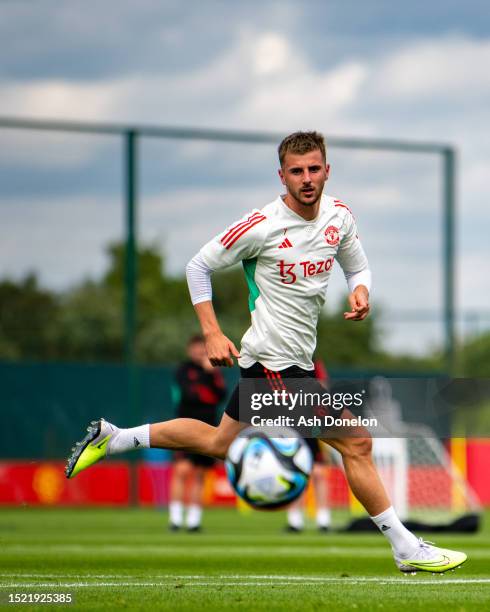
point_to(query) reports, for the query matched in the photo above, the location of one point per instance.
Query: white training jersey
(288, 262)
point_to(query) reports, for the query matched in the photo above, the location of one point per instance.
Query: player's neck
(308, 212)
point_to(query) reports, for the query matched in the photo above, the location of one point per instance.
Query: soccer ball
(268, 469)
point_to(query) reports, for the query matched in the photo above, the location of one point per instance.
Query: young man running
(287, 249)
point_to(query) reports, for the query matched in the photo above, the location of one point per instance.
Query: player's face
(304, 176)
(197, 352)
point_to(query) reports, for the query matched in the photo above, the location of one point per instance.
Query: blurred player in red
(201, 388)
(319, 450)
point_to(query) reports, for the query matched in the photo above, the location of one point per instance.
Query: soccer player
(201, 387)
(287, 249)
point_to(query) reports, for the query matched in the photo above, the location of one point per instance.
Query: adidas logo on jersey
(285, 245)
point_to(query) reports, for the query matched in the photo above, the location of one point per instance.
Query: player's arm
(359, 303)
(354, 263)
(220, 349)
(240, 241)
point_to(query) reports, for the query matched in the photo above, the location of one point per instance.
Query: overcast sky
(414, 70)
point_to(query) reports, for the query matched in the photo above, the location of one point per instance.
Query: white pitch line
(218, 550)
(288, 582)
(106, 576)
(218, 577)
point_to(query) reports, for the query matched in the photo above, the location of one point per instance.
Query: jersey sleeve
(351, 255)
(241, 240)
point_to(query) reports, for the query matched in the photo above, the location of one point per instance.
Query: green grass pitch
(126, 559)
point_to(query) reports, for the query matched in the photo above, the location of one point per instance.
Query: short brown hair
(196, 339)
(301, 143)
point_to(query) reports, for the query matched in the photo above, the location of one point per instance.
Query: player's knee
(317, 471)
(182, 469)
(364, 446)
(358, 447)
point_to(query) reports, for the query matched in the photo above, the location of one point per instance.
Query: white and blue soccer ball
(269, 469)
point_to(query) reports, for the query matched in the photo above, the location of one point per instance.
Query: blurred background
(100, 212)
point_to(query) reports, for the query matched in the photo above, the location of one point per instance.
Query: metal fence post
(130, 263)
(130, 293)
(449, 196)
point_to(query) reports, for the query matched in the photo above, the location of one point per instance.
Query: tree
(90, 324)
(28, 320)
(474, 357)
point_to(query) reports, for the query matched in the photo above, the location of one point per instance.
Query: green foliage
(90, 324)
(346, 343)
(474, 357)
(28, 320)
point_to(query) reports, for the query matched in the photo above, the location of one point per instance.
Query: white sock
(402, 541)
(323, 517)
(295, 518)
(176, 513)
(128, 439)
(194, 514)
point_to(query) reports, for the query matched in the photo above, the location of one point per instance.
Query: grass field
(127, 559)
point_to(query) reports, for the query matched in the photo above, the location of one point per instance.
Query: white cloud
(51, 99)
(271, 54)
(452, 68)
(261, 81)
(303, 99)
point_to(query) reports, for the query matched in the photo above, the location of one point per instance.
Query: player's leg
(319, 479)
(104, 439)
(360, 470)
(295, 516)
(365, 483)
(295, 512)
(181, 471)
(195, 436)
(410, 553)
(197, 487)
(196, 491)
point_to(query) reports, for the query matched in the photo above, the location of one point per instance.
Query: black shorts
(258, 378)
(205, 414)
(197, 460)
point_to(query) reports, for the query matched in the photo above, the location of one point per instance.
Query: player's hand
(221, 350)
(359, 303)
(207, 366)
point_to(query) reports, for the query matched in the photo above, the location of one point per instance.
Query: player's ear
(327, 170)
(281, 176)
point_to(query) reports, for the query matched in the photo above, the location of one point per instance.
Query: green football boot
(92, 448)
(429, 558)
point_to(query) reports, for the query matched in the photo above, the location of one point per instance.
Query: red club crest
(332, 235)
